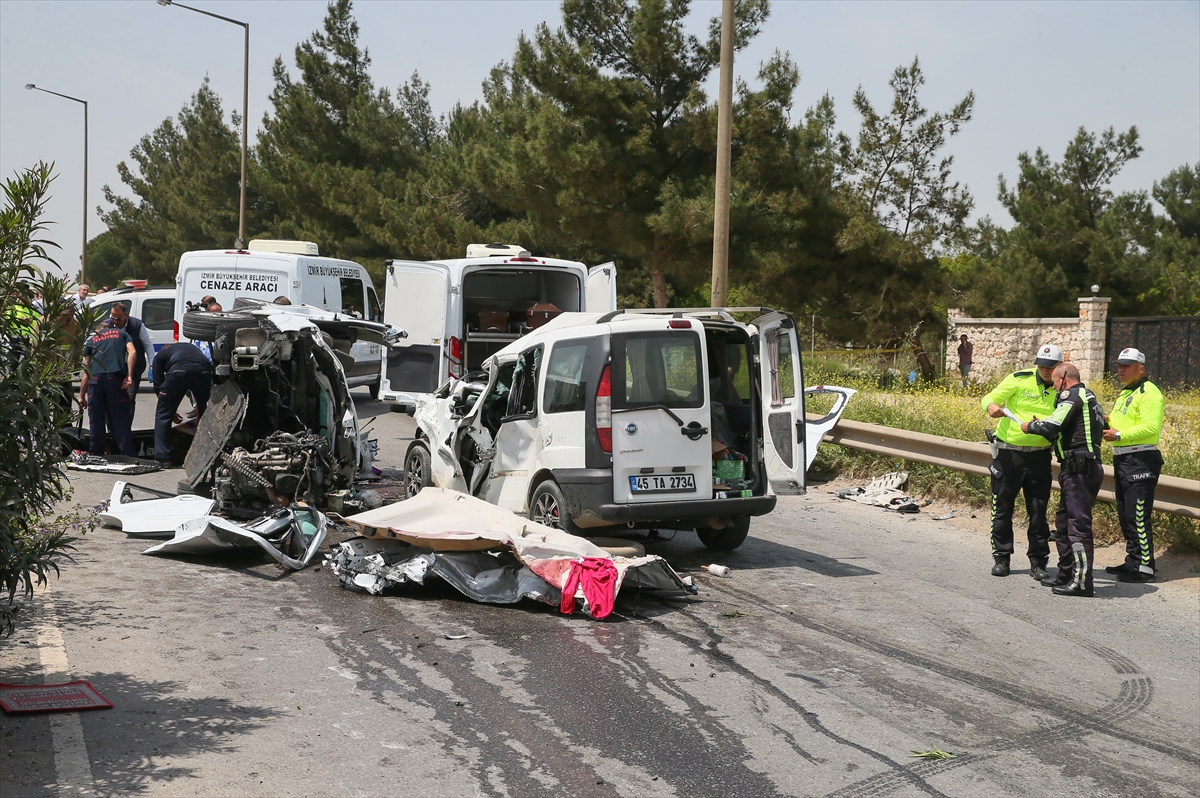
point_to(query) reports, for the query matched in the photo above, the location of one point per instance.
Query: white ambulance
(294, 270)
(458, 312)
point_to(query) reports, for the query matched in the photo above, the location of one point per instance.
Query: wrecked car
(678, 419)
(281, 426)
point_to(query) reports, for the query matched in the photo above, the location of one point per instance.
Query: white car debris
(291, 536)
(489, 554)
(154, 517)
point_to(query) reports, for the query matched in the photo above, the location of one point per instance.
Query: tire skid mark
(510, 764)
(1028, 697)
(1119, 662)
(727, 660)
(700, 710)
(1135, 695)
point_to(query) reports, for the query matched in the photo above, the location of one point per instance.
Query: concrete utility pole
(720, 268)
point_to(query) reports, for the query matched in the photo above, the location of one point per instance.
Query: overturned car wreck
(279, 442)
(491, 555)
(281, 426)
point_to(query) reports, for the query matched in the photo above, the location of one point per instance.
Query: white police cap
(1130, 355)
(1048, 355)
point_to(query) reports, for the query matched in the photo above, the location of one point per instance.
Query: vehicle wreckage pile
(280, 443)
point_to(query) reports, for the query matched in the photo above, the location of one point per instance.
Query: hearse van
(459, 312)
(270, 269)
(676, 419)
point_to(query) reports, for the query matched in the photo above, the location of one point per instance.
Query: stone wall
(1005, 345)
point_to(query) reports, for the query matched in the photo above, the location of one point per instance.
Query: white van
(458, 312)
(679, 419)
(290, 269)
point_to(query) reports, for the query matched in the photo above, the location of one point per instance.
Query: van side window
(352, 296)
(566, 387)
(375, 310)
(522, 400)
(158, 314)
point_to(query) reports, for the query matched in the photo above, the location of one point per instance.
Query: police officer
(178, 368)
(1022, 461)
(1136, 422)
(103, 390)
(1077, 428)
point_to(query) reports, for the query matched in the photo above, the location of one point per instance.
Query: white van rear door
(661, 418)
(416, 301)
(601, 294)
(782, 398)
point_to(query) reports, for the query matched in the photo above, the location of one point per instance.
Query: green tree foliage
(186, 193)
(1175, 255)
(901, 209)
(1070, 231)
(38, 354)
(602, 137)
(336, 153)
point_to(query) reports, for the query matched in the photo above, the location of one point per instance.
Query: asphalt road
(846, 639)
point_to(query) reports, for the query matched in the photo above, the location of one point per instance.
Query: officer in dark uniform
(1077, 428)
(1136, 423)
(178, 368)
(108, 360)
(1021, 462)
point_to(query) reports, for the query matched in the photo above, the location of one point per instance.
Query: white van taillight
(604, 410)
(175, 327)
(456, 353)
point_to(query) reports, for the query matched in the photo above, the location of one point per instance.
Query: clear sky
(1039, 70)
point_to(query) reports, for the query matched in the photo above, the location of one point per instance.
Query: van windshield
(657, 368)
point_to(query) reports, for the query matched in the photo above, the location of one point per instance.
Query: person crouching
(178, 368)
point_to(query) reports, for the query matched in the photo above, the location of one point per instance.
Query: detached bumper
(588, 494)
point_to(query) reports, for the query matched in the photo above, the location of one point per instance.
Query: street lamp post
(241, 241)
(83, 253)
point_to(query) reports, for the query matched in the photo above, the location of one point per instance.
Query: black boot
(1118, 569)
(1037, 569)
(1058, 580)
(1001, 566)
(1072, 590)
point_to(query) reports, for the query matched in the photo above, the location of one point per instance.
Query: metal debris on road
(883, 492)
(484, 551)
(290, 535)
(946, 517)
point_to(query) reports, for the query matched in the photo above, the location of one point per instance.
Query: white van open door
(601, 293)
(782, 398)
(416, 301)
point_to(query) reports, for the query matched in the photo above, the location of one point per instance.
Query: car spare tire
(201, 325)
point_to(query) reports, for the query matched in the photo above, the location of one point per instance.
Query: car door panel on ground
(662, 446)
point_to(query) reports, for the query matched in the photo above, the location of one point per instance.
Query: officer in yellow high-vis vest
(1134, 427)
(1022, 462)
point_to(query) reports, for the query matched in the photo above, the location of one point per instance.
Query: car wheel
(199, 325)
(726, 539)
(417, 465)
(548, 508)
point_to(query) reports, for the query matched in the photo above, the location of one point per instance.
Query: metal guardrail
(1173, 495)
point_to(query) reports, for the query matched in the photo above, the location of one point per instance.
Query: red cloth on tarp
(598, 578)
